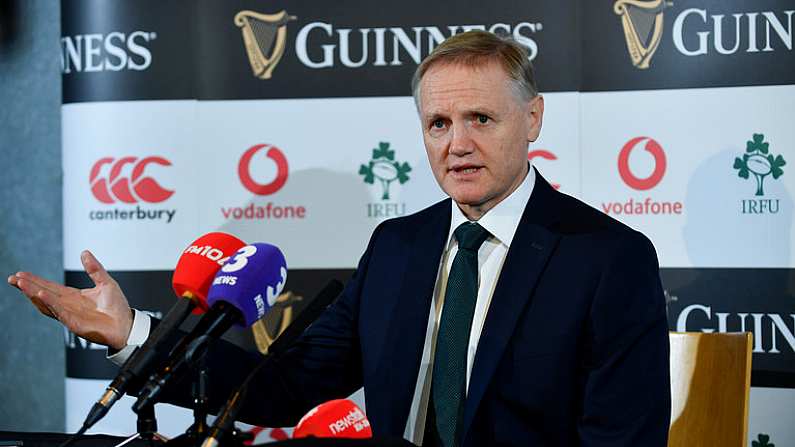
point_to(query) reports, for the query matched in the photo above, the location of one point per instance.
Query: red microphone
(192, 279)
(199, 263)
(340, 418)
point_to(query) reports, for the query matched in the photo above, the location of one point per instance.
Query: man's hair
(477, 48)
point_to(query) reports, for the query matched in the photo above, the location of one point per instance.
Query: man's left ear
(536, 113)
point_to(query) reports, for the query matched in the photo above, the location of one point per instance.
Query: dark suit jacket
(574, 350)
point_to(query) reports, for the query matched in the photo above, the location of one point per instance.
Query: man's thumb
(94, 268)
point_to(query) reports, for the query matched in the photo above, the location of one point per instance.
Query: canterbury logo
(116, 187)
(660, 163)
(282, 170)
(643, 26)
(264, 36)
(546, 155)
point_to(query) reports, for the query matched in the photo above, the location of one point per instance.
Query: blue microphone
(242, 292)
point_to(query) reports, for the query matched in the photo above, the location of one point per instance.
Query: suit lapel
(408, 326)
(530, 249)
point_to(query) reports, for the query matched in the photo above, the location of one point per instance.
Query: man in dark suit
(509, 315)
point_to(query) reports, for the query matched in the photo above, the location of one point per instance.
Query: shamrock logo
(762, 441)
(384, 168)
(758, 161)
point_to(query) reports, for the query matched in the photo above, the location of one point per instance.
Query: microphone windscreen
(200, 262)
(340, 418)
(251, 280)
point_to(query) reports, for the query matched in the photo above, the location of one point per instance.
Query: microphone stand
(224, 424)
(147, 429)
(198, 430)
(147, 426)
(200, 402)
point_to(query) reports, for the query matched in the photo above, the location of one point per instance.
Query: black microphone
(191, 281)
(242, 291)
(139, 362)
(226, 417)
(308, 316)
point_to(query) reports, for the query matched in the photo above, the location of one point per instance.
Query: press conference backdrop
(291, 122)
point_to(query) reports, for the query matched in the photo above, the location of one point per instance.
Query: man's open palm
(99, 314)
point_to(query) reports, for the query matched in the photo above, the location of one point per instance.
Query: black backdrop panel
(761, 301)
(225, 72)
(116, 50)
(739, 293)
(762, 57)
(151, 291)
(123, 51)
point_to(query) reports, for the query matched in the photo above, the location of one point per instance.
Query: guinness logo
(264, 36)
(643, 26)
(286, 308)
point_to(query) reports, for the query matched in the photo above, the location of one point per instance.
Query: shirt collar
(502, 220)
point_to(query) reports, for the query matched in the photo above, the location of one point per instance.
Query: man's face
(476, 129)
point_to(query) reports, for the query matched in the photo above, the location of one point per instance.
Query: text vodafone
(269, 211)
(647, 206)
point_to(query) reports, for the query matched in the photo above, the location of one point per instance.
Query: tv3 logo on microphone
(251, 168)
(262, 259)
(119, 181)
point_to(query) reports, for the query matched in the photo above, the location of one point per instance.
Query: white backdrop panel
(120, 420)
(701, 132)
(115, 232)
(768, 414)
(325, 141)
(560, 135)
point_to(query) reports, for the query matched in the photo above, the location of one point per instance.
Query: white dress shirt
(139, 332)
(501, 222)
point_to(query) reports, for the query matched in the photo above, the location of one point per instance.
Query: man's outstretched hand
(99, 314)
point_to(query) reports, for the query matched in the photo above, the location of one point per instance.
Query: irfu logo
(758, 161)
(763, 440)
(384, 168)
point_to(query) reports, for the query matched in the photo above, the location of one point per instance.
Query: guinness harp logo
(264, 36)
(643, 24)
(282, 313)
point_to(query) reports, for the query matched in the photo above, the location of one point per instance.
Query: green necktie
(448, 385)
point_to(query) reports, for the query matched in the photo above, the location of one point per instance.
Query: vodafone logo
(546, 155)
(259, 209)
(648, 205)
(652, 147)
(282, 170)
(109, 185)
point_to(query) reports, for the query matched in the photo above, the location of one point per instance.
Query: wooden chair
(710, 384)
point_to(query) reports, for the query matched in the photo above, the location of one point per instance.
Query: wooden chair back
(710, 384)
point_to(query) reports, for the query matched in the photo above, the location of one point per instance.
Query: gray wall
(31, 346)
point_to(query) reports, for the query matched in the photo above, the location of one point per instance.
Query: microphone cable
(77, 435)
